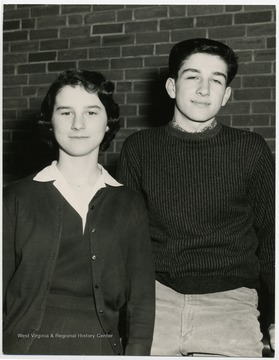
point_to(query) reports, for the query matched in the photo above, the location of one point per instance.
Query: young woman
(76, 254)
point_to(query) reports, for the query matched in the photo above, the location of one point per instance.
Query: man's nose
(203, 88)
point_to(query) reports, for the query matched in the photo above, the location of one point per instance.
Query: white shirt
(52, 173)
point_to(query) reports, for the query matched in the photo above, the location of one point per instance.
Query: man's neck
(193, 126)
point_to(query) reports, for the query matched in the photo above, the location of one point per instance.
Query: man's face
(200, 89)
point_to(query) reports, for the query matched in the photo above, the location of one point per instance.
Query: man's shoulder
(146, 134)
(244, 135)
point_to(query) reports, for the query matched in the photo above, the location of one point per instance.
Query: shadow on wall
(30, 151)
(161, 107)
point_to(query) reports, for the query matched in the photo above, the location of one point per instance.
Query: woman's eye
(91, 113)
(66, 113)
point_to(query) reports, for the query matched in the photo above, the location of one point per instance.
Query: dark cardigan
(122, 263)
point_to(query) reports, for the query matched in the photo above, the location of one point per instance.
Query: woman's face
(79, 121)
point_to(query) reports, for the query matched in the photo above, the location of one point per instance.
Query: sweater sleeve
(129, 167)
(261, 193)
(140, 312)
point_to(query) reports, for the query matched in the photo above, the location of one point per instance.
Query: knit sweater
(210, 198)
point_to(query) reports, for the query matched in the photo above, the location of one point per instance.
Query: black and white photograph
(138, 179)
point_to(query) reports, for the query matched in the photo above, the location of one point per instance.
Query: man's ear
(227, 95)
(170, 87)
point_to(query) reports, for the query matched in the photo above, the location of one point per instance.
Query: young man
(209, 190)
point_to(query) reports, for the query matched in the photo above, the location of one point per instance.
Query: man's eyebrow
(217, 73)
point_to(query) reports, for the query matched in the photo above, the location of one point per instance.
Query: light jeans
(221, 324)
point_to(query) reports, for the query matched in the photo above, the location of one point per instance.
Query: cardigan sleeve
(8, 251)
(261, 193)
(140, 312)
(129, 167)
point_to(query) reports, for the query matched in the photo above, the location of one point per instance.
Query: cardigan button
(93, 230)
(101, 311)
(97, 286)
(93, 257)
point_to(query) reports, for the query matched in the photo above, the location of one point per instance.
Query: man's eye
(217, 81)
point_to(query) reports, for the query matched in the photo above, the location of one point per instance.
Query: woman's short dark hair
(93, 82)
(182, 50)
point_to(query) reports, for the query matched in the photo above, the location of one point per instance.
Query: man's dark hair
(93, 82)
(182, 50)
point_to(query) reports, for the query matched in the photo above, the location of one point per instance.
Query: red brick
(181, 35)
(112, 40)
(155, 61)
(72, 54)
(126, 63)
(253, 17)
(177, 23)
(12, 103)
(11, 25)
(28, 24)
(151, 12)
(74, 20)
(252, 94)
(75, 31)
(11, 92)
(177, 10)
(24, 46)
(100, 64)
(254, 68)
(32, 68)
(11, 80)
(12, 14)
(15, 35)
(247, 43)
(139, 74)
(259, 30)
(258, 81)
(153, 37)
(217, 20)
(233, 8)
(265, 55)
(138, 50)
(226, 32)
(104, 52)
(46, 10)
(54, 44)
(43, 34)
(14, 58)
(42, 56)
(140, 26)
(235, 108)
(124, 15)
(204, 10)
(9, 69)
(51, 22)
(61, 66)
(75, 9)
(250, 120)
(85, 42)
(108, 29)
(266, 132)
(124, 86)
(263, 107)
(99, 17)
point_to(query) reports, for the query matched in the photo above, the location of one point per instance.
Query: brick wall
(130, 45)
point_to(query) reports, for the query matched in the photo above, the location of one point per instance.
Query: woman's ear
(170, 87)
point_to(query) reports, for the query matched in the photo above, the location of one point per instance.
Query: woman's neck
(78, 171)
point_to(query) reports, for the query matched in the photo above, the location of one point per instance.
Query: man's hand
(271, 331)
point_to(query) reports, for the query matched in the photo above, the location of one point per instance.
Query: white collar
(51, 173)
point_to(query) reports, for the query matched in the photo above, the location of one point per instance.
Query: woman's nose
(78, 122)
